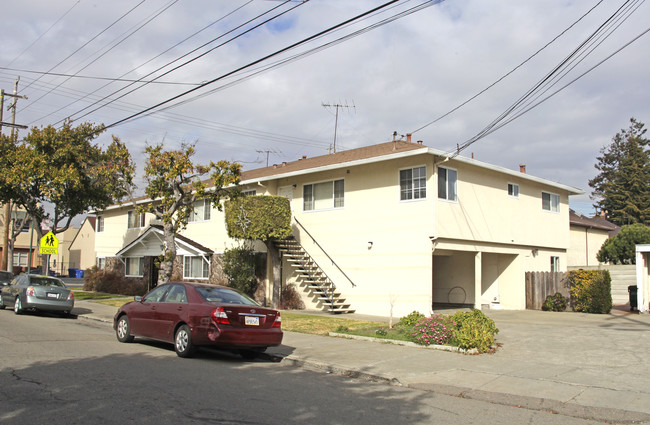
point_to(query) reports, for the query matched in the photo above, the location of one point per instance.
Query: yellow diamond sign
(49, 244)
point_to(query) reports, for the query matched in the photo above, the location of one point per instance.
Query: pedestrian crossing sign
(49, 244)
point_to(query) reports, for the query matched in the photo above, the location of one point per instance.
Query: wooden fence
(539, 285)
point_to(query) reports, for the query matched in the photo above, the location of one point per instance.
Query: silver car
(35, 292)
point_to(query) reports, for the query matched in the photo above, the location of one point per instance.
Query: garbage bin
(71, 272)
(78, 273)
(632, 289)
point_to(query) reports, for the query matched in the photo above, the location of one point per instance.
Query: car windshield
(224, 295)
(44, 281)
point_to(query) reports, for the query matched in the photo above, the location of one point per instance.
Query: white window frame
(453, 186)
(204, 205)
(551, 207)
(205, 270)
(127, 262)
(100, 224)
(513, 190)
(249, 192)
(555, 264)
(309, 205)
(134, 220)
(101, 263)
(411, 192)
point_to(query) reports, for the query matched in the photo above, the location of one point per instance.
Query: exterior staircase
(318, 284)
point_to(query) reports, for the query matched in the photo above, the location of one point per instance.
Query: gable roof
(601, 223)
(157, 231)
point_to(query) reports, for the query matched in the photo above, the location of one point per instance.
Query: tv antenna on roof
(337, 106)
(267, 152)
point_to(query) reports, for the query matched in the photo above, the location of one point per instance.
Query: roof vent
(522, 168)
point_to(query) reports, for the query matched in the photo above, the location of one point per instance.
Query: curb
(405, 343)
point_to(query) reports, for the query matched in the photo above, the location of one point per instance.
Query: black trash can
(632, 291)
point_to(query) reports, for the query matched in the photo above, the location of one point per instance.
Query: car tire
(18, 306)
(183, 342)
(123, 329)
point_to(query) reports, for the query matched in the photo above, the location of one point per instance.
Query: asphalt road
(72, 371)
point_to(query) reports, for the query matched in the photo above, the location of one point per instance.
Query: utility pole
(336, 120)
(14, 136)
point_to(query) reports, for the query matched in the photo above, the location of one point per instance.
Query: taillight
(278, 321)
(71, 296)
(30, 291)
(220, 317)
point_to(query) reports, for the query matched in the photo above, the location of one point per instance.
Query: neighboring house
(396, 227)
(22, 245)
(82, 247)
(587, 236)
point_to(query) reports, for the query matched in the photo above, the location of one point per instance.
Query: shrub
(290, 298)
(474, 330)
(591, 291)
(436, 329)
(239, 265)
(100, 280)
(410, 320)
(555, 302)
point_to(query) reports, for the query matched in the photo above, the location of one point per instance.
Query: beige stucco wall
(585, 243)
(82, 248)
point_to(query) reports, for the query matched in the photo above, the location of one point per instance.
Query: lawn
(101, 298)
(323, 325)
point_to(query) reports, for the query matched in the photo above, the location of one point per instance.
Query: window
(201, 211)
(513, 190)
(134, 266)
(447, 181)
(555, 264)
(550, 202)
(413, 183)
(176, 294)
(196, 267)
(101, 262)
(156, 295)
(321, 196)
(134, 220)
(251, 192)
(20, 259)
(100, 224)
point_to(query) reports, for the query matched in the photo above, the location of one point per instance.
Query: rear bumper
(238, 337)
(48, 305)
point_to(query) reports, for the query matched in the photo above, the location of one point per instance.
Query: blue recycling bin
(78, 273)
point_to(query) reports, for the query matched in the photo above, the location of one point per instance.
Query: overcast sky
(398, 76)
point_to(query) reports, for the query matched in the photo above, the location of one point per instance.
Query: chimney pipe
(408, 137)
(522, 168)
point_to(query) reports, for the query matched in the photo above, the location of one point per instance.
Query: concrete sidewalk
(587, 366)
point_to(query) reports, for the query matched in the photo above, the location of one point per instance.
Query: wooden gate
(540, 285)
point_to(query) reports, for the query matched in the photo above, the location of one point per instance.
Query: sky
(259, 80)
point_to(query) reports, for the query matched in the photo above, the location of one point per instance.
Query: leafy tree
(239, 266)
(64, 170)
(620, 249)
(174, 184)
(266, 218)
(622, 187)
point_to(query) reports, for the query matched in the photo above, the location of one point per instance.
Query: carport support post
(477, 280)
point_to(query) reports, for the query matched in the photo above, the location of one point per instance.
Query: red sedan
(190, 315)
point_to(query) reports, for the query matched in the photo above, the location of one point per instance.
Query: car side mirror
(137, 298)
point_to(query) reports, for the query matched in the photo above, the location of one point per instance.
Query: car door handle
(179, 308)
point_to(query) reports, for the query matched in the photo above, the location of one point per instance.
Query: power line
(147, 21)
(188, 61)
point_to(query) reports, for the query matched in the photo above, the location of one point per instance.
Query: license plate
(51, 295)
(252, 321)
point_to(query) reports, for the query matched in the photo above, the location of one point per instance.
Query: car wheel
(123, 330)
(18, 306)
(183, 342)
